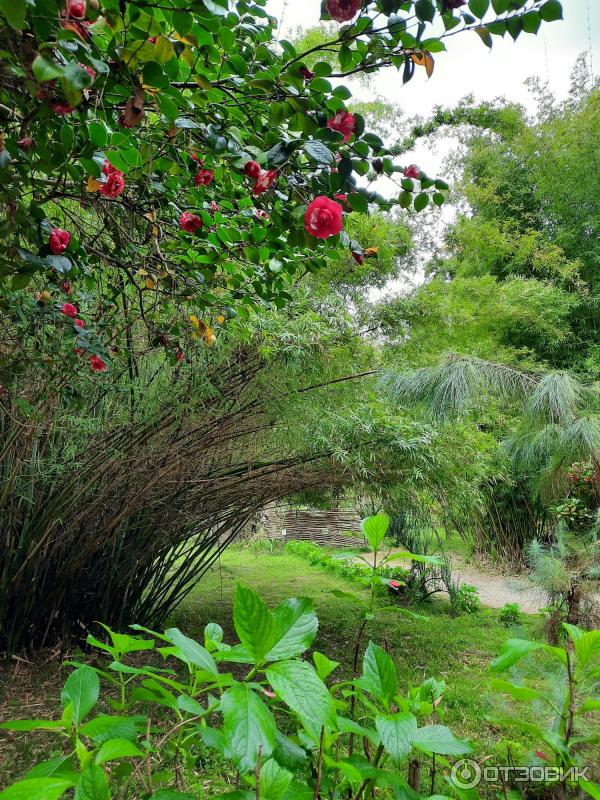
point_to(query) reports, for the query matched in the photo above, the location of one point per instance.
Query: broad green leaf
(93, 784)
(81, 689)
(15, 12)
(31, 725)
(192, 652)
(287, 753)
(44, 69)
(375, 529)
(54, 768)
(593, 789)
(296, 626)
(551, 11)
(522, 693)
(37, 789)
(299, 686)
(253, 623)
(513, 651)
(319, 152)
(114, 749)
(348, 596)
(587, 648)
(397, 733)
(350, 726)
(379, 675)
(274, 781)
(102, 728)
(479, 7)
(324, 666)
(440, 739)
(425, 10)
(248, 726)
(213, 636)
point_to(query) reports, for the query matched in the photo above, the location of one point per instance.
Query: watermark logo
(466, 774)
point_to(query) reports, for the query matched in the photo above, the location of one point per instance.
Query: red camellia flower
(62, 109)
(80, 323)
(59, 241)
(76, 8)
(26, 143)
(343, 10)
(411, 171)
(69, 310)
(190, 222)
(252, 169)
(261, 214)
(114, 185)
(344, 122)
(180, 355)
(97, 364)
(358, 257)
(323, 218)
(306, 73)
(204, 177)
(264, 181)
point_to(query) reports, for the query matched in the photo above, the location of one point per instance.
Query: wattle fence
(328, 528)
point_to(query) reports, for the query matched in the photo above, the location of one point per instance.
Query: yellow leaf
(220, 319)
(92, 184)
(150, 216)
(210, 340)
(201, 81)
(142, 272)
(371, 251)
(154, 231)
(149, 283)
(195, 322)
(424, 59)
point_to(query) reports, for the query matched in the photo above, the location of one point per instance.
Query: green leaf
(532, 22)
(81, 689)
(15, 12)
(296, 626)
(93, 784)
(440, 739)
(248, 726)
(171, 794)
(319, 152)
(521, 693)
(76, 76)
(379, 674)
(551, 11)
(44, 69)
(421, 201)
(102, 728)
(324, 665)
(299, 686)
(593, 789)
(253, 623)
(513, 651)
(587, 647)
(348, 597)
(31, 725)
(114, 749)
(287, 753)
(274, 781)
(397, 733)
(37, 789)
(425, 10)
(375, 529)
(192, 652)
(479, 7)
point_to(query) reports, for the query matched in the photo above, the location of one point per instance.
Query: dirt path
(497, 590)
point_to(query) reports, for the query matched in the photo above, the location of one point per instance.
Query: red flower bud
(358, 257)
(59, 241)
(80, 323)
(62, 109)
(66, 287)
(204, 177)
(252, 169)
(180, 355)
(76, 8)
(306, 73)
(412, 171)
(190, 222)
(97, 364)
(26, 143)
(69, 310)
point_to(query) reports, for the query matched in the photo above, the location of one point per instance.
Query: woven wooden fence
(329, 528)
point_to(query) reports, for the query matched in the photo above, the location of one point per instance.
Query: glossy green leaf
(248, 726)
(81, 689)
(299, 686)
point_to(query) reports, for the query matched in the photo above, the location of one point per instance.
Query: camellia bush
(166, 166)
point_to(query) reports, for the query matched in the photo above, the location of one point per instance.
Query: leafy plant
(280, 723)
(510, 614)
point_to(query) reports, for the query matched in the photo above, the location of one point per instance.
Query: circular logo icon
(466, 774)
